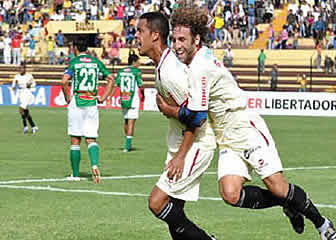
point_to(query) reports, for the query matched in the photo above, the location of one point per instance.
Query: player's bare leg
(93, 150)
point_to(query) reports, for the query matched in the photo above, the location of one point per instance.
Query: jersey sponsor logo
(125, 98)
(127, 70)
(204, 91)
(85, 97)
(85, 59)
(248, 152)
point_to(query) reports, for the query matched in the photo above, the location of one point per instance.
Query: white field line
(139, 176)
(54, 189)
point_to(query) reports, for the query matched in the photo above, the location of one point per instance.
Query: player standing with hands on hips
(26, 85)
(83, 115)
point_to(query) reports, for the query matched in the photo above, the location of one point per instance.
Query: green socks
(93, 150)
(128, 143)
(75, 159)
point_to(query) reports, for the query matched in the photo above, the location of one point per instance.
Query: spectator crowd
(232, 23)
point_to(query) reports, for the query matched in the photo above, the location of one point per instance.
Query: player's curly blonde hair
(193, 17)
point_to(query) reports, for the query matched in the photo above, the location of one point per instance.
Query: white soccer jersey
(224, 96)
(23, 80)
(171, 82)
(25, 94)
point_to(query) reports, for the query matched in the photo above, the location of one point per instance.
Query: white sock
(325, 226)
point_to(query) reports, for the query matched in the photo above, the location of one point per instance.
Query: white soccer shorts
(26, 98)
(130, 113)
(83, 121)
(187, 187)
(249, 149)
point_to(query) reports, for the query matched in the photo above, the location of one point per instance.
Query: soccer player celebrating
(243, 137)
(130, 83)
(83, 115)
(26, 84)
(190, 146)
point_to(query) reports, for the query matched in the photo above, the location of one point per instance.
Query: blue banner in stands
(9, 97)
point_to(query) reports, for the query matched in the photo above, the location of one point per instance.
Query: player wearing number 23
(83, 116)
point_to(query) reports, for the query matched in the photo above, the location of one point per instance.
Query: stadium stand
(290, 64)
(104, 23)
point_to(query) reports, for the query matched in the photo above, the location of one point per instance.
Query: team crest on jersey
(217, 63)
(85, 59)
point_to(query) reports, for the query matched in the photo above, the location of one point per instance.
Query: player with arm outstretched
(190, 147)
(26, 84)
(83, 115)
(243, 138)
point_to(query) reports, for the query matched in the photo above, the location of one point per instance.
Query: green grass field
(117, 208)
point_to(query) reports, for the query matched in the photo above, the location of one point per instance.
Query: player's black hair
(132, 58)
(157, 22)
(81, 44)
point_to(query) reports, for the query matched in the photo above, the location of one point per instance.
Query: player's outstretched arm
(65, 87)
(108, 89)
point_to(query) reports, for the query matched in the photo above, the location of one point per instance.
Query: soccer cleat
(126, 150)
(34, 129)
(25, 130)
(296, 219)
(329, 233)
(213, 237)
(73, 179)
(95, 175)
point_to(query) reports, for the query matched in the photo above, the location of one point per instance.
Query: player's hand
(68, 100)
(175, 168)
(99, 100)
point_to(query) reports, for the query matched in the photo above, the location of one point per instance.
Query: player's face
(144, 38)
(184, 44)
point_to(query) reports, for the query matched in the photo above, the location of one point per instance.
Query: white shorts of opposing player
(83, 121)
(130, 113)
